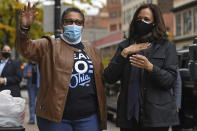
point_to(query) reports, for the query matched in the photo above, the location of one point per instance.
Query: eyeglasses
(70, 22)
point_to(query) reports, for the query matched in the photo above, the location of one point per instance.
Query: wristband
(25, 28)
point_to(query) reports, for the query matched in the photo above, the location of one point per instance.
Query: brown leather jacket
(55, 59)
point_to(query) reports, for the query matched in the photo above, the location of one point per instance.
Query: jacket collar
(156, 45)
(70, 47)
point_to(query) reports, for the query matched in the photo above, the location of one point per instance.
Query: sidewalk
(29, 127)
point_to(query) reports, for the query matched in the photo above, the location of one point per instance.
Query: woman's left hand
(142, 62)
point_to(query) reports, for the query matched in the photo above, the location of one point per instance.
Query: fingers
(29, 8)
(25, 8)
(134, 48)
(137, 65)
(140, 57)
(140, 63)
(144, 45)
(35, 14)
(22, 10)
(33, 7)
(136, 60)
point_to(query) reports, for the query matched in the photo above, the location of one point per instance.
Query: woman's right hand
(134, 48)
(28, 15)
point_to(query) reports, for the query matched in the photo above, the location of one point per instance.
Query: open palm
(28, 15)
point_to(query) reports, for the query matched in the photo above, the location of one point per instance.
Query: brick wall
(114, 9)
(168, 20)
(165, 5)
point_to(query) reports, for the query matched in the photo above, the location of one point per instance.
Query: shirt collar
(5, 61)
(70, 43)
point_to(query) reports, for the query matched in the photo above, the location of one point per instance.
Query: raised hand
(134, 48)
(28, 15)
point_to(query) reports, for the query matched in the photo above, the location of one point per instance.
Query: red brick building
(114, 9)
(96, 26)
(98, 21)
(166, 7)
(108, 45)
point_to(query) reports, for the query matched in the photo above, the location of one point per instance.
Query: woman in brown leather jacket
(71, 95)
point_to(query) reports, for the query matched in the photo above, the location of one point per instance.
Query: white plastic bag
(11, 110)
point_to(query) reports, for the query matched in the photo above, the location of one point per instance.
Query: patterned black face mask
(142, 27)
(5, 54)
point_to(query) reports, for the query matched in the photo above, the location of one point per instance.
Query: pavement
(29, 127)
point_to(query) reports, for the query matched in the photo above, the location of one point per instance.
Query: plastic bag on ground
(11, 110)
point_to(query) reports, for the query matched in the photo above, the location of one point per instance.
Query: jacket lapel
(156, 46)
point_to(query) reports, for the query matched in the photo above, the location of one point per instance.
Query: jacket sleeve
(31, 49)
(115, 68)
(177, 90)
(166, 76)
(16, 78)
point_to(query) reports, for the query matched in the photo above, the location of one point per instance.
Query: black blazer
(13, 73)
(159, 107)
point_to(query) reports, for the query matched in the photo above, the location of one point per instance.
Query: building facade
(114, 9)
(98, 21)
(96, 26)
(92, 34)
(185, 22)
(128, 9)
(108, 46)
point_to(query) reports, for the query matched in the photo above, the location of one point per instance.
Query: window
(128, 15)
(113, 27)
(113, 15)
(127, 1)
(113, 1)
(124, 17)
(149, 1)
(178, 24)
(187, 18)
(195, 20)
(123, 2)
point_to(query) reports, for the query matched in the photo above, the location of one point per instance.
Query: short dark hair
(159, 29)
(72, 9)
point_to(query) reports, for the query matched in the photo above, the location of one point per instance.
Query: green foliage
(9, 10)
(106, 60)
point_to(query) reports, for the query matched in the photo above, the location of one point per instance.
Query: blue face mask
(72, 32)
